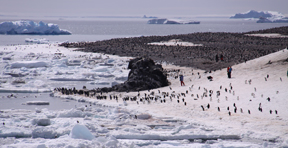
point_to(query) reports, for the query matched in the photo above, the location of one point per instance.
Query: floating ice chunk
(38, 41)
(70, 79)
(37, 103)
(99, 83)
(81, 132)
(106, 75)
(43, 132)
(124, 78)
(15, 132)
(73, 113)
(106, 64)
(101, 69)
(41, 122)
(29, 64)
(110, 61)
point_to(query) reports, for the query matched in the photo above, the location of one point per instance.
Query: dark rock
(144, 75)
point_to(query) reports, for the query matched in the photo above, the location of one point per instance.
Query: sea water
(103, 29)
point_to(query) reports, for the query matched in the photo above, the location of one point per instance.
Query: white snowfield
(30, 27)
(258, 89)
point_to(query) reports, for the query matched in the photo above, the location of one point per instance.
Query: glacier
(31, 27)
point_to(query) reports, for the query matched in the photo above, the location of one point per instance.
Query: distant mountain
(258, 14)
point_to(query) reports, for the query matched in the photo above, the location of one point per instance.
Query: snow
(111, 123)
(30, 27)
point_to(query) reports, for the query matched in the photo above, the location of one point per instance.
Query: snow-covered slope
(30, 27)
(257, 14)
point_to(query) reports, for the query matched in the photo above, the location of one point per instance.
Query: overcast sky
(187, 8)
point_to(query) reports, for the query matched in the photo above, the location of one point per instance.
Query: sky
(176, 8)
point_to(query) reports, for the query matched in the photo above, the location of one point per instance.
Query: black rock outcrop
(144, 75)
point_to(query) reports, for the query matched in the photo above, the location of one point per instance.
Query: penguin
(228, 108)
(270, 111)
(276, 112)
(235, 110)
(202, 107)
(229, 113)
(208, 106)
(219, 109)
(268, 99)
(185, 103)
(249, 112)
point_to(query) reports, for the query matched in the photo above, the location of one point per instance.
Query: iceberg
(38, 41)
(258, 14)
(272, 20)
(30, 27)
(171, 21)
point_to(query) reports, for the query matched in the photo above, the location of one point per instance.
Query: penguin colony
(233, 47)
(154, 96)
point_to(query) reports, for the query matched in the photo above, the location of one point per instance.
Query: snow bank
(81, 132)
(30, 27)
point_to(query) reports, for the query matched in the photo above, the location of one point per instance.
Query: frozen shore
(146, 123)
